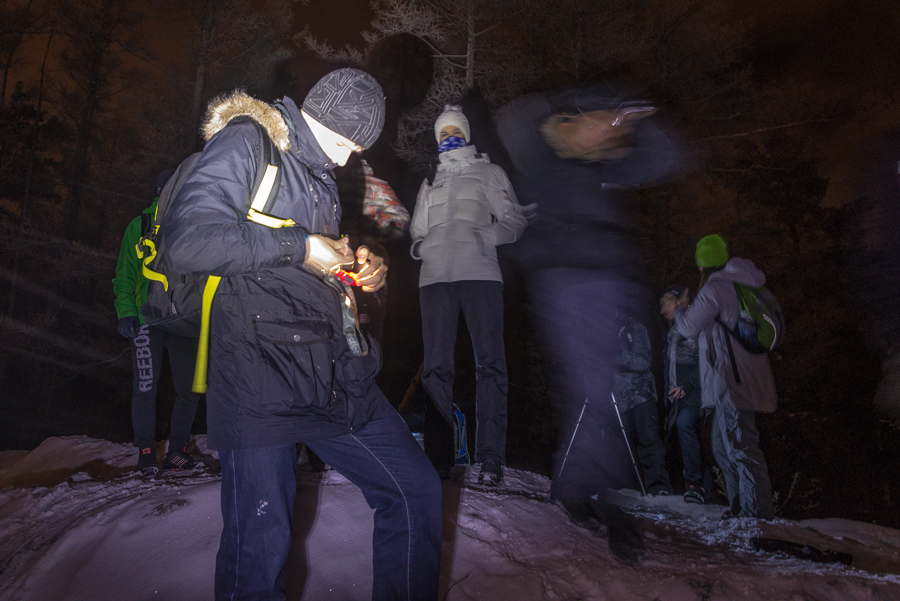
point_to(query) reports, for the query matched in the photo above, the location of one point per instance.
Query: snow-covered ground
(77, 524)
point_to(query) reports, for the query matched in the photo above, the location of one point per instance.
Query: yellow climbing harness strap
(269, 221)
(147, 258)
(257, 205)
(199, 386)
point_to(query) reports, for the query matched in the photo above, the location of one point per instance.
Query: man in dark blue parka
(283, 367)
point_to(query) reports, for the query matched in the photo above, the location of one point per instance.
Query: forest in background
(98, 96)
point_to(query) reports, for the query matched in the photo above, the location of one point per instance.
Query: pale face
(451, 130)
(335, 146)
(341, 150)
(589, 132)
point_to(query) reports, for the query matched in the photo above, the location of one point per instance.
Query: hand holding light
(325, 255)
(371, 270)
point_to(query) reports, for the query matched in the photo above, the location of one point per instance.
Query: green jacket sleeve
(129, 285)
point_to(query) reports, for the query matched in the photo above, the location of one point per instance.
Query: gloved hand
(324, 255)
(530, 212)
(130, 326)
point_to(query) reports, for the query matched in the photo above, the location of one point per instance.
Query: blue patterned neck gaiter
(451, 143)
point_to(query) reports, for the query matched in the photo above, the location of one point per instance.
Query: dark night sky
(834, 43)
(838, 44)
(336, 22)
(339, 22)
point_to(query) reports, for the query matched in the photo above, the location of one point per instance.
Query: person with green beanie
(712, 251)
(735, 383)
(147, 345)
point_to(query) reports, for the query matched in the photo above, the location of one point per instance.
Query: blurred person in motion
(736, 383)
(681, 374)
(462, 215)
(574, 152)
(147, 346)
(287, 362)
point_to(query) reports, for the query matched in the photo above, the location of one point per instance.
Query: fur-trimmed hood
(225, 107)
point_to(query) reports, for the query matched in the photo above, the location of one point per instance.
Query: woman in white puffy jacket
(460, 218)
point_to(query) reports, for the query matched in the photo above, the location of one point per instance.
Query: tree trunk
(29, 178)
(662, 228)
(470, 46)
(13, 47)
(82, 159)
(200, 79)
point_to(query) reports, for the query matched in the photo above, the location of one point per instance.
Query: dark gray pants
(642, 422)
(481, 305)
(735, 445)
(146, 360)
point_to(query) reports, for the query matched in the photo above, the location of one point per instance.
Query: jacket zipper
(451, 219)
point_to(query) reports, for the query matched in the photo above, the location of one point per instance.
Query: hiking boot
(580, 514)
(146, 464)
(178, 461)
(491, 473)
(625, 540)
(694, 494)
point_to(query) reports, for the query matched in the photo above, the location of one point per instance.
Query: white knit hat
(452, 115)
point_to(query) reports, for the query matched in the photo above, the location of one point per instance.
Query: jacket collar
(458, 158)
(304, 147)
(222, 109)
(742, 271)
(282, 121)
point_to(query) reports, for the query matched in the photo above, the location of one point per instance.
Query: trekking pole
(628, 445)
(569, 448)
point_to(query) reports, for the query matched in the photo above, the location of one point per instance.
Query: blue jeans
(689, 424)
(397, 480)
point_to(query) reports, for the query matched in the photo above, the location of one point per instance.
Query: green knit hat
(711, 251)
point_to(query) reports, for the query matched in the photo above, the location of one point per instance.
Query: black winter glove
(129, 326)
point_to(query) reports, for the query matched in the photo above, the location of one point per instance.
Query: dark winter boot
(625, 541)
(491, 473)
(580, 513)
(178, 461)
(146, 464)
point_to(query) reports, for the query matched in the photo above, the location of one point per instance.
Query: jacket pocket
(296, 368)
(354, 382)
(296, 333)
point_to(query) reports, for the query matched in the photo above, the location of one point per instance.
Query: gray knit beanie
(348, 102)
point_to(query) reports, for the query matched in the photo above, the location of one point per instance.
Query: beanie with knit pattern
(452, 115)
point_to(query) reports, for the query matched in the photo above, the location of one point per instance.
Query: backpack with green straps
(174, 301)
(179, 303)
(760, 324)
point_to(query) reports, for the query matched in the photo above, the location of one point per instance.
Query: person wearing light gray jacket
(736, 383)
(460, 218)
